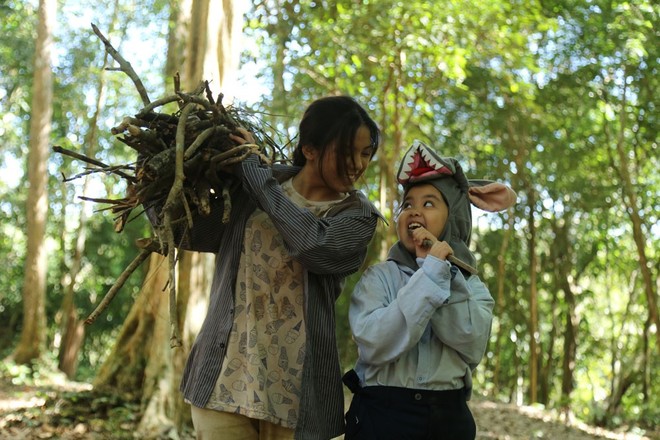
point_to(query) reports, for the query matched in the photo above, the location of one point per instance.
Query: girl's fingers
(247, 136)
(242, 140)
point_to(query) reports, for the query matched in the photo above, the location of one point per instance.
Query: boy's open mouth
(413, 226)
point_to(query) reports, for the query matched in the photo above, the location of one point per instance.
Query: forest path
(66, 411)
(501, 421)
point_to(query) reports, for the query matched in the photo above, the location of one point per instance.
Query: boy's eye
(406, 205)
(428, 204)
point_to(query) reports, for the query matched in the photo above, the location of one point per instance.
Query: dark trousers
(391, 413)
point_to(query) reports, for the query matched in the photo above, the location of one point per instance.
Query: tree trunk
(625, 371)
(213, 49)
(179, 22)
(165, 407)
(500, 302)
(388, 157)
(125, 367)
(160, 394)
(534, 348)
(519, 144)
(564, 270)
(628, 377)
(570, 341)
(545, 372)
(281, 102)
(32, 341)
(72, 340)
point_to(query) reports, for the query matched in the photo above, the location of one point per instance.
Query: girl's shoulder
(356, 204)
(283, 172)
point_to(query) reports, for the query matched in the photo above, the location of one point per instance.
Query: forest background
(557, 98)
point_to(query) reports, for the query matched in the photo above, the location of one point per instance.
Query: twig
(157, 103)
(124, 65)
(226, 200)
(175, 192)
(199, 140)
(83, 158)
(78, 156)
(121, 201)
(462, 264)
(144, 253)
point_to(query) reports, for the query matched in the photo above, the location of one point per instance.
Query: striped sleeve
(329, 245)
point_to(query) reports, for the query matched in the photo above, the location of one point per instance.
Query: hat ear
(491, 196)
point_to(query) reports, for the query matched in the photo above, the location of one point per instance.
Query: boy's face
(423, 207)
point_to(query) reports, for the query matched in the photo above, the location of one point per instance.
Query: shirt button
(222, 345)
(420, 378)
(418, 396)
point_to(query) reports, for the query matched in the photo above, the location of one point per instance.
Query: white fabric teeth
(409, 160)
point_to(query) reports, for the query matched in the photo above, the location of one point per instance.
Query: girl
(265, 363)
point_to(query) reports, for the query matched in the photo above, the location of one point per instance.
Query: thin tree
(32, 341)
(72, 327)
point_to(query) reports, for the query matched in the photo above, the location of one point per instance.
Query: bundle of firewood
(181, 165)
(181, 157)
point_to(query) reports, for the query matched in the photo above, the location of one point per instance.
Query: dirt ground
(500, 421)
(73, 411)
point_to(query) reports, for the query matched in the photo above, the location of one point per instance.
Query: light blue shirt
(424, 329)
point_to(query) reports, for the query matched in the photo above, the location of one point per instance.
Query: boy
(422, 319)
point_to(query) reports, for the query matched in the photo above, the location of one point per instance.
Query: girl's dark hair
(333, 120)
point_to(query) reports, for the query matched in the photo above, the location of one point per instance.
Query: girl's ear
(309, 152)
(491, 196)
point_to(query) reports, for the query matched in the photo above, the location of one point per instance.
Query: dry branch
(124, 65)
(142, 256)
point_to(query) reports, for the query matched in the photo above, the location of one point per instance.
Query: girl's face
(332, 178)
(423, 207)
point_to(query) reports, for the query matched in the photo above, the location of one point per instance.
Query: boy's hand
(426, 243)
(441, 250)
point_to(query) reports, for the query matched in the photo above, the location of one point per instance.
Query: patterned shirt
(261, 374)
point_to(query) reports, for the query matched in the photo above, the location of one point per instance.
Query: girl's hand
(242, 136)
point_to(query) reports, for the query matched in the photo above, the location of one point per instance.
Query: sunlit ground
(510, 422)
(495, 421)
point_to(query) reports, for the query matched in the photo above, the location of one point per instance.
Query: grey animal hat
(421, 164)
